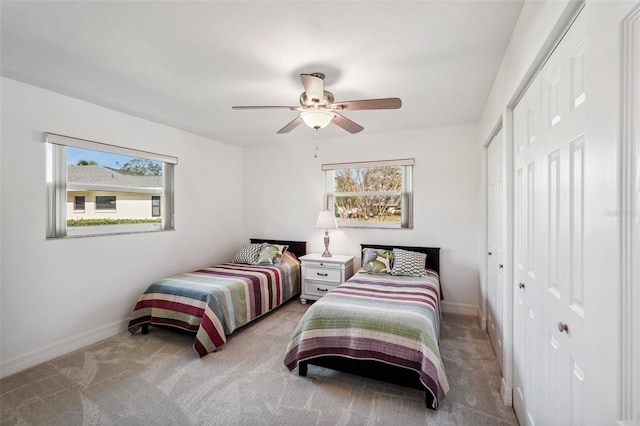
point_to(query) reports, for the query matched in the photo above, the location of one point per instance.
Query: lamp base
(326, 244)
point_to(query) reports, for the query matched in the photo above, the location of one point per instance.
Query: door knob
(521, 285)
(563, 327)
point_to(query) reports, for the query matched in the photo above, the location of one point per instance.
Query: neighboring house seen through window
(97, 189)
(374, 194)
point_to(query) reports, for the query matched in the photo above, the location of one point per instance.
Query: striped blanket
(392, 319)
(215, 301)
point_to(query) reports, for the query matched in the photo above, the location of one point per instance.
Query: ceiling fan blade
(346, 124)
(292, 125)
(384, 103)
(313, 86)
(266, 107)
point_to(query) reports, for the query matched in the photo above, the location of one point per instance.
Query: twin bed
(379, 325)
(213, 302)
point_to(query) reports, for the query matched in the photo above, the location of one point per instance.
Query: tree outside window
(372, 194)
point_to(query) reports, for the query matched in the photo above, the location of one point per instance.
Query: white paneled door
(563, 124)
(528, 221)
(550, 359)
(495, 244)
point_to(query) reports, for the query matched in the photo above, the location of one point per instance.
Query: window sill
(104, 232)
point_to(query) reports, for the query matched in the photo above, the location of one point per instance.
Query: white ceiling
(186, 63)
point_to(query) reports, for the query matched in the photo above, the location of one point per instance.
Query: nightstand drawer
(317, 288)
(322, 274)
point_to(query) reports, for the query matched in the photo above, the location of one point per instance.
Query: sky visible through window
(102, 158)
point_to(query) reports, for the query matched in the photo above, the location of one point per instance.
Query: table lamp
(326, 220)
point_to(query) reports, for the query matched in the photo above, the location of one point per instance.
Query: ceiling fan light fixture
(317, 118)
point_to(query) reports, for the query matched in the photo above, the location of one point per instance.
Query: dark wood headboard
(433, 253)
(299, 248)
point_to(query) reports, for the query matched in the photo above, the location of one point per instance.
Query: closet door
(563, 101)
(567, 346)
(495, 244)
(529, 224)
(550, 344)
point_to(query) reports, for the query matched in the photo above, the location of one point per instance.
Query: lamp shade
(317, 118)
(326, 220)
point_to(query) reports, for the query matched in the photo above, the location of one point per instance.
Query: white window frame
(56, 145)
(406, 192)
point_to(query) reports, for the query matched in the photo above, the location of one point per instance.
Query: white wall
(283, 189)
(538, 27)
(603, 217)
(58, 295)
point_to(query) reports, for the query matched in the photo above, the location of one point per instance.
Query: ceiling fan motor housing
(326, 101)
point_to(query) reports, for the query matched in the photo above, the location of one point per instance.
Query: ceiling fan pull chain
(315, 138)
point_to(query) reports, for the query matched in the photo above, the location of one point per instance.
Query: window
(106, 202)
(97, 189)
(78, 203)
(376, 194)
(155, 206)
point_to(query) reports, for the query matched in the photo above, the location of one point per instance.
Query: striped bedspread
(215, 301)
(392, 319)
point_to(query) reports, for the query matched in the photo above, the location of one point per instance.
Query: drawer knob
(322, 275)
(521, 285)
(322, 289)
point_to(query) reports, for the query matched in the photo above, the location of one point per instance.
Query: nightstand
(322, 274)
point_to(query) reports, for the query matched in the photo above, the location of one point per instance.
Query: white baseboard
(460, 309)
(506, 392)
(63, 347)
(483, 320)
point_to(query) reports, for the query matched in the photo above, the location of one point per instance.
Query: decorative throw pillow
(270, 254)
(281, 248)
(248, 253)
(377, 261)
(408, 263)
(369, 254)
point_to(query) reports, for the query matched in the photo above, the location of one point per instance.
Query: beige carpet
(158, 379)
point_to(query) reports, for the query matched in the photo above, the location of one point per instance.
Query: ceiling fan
(318, 107)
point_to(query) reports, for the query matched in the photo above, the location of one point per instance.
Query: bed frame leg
(302, 368)
(145, 328)
(431, 402)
